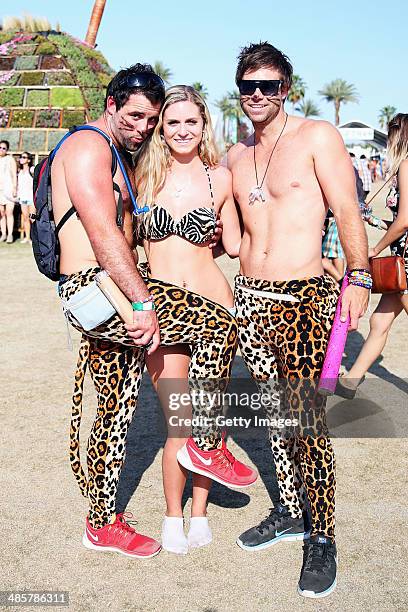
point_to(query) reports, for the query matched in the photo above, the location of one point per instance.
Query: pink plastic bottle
(335, 349)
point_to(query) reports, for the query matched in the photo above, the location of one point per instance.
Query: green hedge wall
(54, 137)
(34, 140)
(60, 78)
(27, 62)
(12, 96)
(22, 118)
(38, 97)
(13, 136)
(49, 118)
(32, 78)
(63, 97)
(71, 118)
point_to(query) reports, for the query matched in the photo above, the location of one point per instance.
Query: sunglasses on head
(144, 79)
(248, 87)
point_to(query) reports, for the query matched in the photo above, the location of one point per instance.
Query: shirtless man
(91, 240)
(284, 178)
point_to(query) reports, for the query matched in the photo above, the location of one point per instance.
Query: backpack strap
(136, 209)
(114, 166)
(64, 219)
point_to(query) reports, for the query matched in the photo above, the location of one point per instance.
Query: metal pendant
(256, 194)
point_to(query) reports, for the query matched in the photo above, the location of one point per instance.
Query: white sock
(173, 537)
(200, 532)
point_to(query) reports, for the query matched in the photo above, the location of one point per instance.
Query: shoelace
(125, 523)
(273, 519)
(317, 554)
(225, 458)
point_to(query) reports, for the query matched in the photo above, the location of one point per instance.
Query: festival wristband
(149, 305)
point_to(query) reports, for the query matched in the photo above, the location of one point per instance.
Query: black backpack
(44, 231)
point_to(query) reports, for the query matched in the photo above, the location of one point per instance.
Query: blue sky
(363, 42)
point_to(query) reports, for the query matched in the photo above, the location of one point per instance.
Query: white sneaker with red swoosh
(218, 464)
(120, 537)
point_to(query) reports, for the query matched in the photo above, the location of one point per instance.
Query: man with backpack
(94, 234)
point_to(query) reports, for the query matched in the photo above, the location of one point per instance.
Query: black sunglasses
(144, 79)
(248, 87)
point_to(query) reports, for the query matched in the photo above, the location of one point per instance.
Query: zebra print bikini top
(196, 226)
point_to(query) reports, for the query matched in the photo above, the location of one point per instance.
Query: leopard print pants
(116, 367)
(283, 344)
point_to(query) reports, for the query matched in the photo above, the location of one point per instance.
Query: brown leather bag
(388, 273)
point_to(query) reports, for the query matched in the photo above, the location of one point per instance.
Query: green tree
(297, 90)
(339, 92)
(230, 107)
(201, 89)
(162, 71)
(385, 116)
(308, 108)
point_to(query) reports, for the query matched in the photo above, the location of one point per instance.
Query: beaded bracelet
(366, 285)
(365, 282)
(356, 271)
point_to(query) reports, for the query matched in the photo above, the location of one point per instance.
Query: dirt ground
(43, 512)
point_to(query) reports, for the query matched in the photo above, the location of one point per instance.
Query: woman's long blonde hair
(397, 141)
(154, 157)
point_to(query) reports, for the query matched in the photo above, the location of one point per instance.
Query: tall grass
(28, 23)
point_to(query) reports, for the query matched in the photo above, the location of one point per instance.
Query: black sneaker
(318, 575)
(278, 526)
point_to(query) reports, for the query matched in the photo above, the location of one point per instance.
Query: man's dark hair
(263, 55)
(120, 91)
(6, 142)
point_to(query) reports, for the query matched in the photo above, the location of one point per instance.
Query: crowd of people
(16, 190)
(266, 203)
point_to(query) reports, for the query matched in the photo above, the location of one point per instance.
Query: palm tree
(224, 105)
(201, 89)
(308, 108)
(230, 108)
(297, 90)
(385, 116)
(162, 71)
(339, 92)
(95, 22)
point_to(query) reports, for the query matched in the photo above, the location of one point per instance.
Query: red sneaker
(218, 464)
(120, 537)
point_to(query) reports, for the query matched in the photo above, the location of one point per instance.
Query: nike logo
(279, 533)
(93, 537)
(205, 461)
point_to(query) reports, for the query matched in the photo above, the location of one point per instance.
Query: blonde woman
(179, 178)
(395, 237)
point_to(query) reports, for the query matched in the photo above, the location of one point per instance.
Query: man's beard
(129, 145)
(125, 142)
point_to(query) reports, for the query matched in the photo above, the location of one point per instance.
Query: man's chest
(273, 176)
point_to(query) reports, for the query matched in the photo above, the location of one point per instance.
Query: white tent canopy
(356, 131)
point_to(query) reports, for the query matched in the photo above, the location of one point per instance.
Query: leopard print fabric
(116, 368)
(283, 344)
